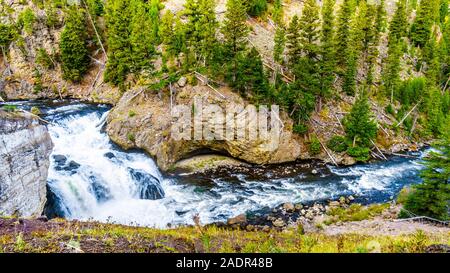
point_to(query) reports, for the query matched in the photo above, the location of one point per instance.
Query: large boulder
(142, 119)
(25, 147)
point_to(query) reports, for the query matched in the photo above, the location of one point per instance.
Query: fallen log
(324, 147)
(407, 115)
(378, 149)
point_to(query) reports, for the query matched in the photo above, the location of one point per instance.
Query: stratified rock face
(143, 120)
(25, 147)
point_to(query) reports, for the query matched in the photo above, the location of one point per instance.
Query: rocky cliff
(25, 147)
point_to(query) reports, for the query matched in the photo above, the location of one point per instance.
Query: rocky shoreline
(287, 215)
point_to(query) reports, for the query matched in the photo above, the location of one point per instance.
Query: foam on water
(78, 136)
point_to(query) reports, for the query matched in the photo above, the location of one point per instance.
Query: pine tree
(432, 197)
(280, 42)
(280, 33)
(166, 32)
(432, 57)
(141, 38)
(118, 20)
(443, 10)
(380, 25)
(397, 30)
(278, 12)
(354, 49)
(359, 124)
(234, 28)
(201, 28)
(391, 70)
(307, 67)
(73, 46)
(434, 110)
(373, 51)
(154, 7)
(250, 78)
(399, 24)
(294, 50)
(328, 62)
(370, 44)
(427, 14)
(172, 34)
(343, 31)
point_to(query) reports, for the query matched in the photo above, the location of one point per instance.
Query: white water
(77, 135)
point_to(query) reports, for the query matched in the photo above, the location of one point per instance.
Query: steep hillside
(141, 50)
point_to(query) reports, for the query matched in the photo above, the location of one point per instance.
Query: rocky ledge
(25, 147)
(142, 119)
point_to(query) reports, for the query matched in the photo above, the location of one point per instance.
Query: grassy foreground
(27, 235)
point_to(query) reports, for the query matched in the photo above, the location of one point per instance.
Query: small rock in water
(149, 187)
(110, 155)
(314, 172)
(289, 207)
(60, 159)
(240, 219)
(351, 198)
(72, 166)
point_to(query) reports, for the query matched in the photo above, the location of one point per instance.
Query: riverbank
(61, 236)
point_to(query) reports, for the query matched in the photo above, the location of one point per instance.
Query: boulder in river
(148, 186)
(99, 189)
(154, 134)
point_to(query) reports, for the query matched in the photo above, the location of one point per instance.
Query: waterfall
(90, 178)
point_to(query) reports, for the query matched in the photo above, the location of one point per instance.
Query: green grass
(63, 236)
(355, 212)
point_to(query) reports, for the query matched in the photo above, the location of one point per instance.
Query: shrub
(96, 7)
(300, 129)
(315, 146)
(257, 7)
(9, 108)
(361, 154)
(390, 110)
(35, 111)
(44, 59)
(131, 137)
(26, 20)
(403, 195)
(337, 144)
(7, 35)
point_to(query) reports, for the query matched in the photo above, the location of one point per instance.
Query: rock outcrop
(143, 120)
(23, 77)
(25, 147)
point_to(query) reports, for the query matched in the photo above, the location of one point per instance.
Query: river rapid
(90, 178)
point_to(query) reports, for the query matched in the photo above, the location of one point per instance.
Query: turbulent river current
(90, 178)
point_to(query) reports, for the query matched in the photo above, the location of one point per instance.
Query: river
(90, 178)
